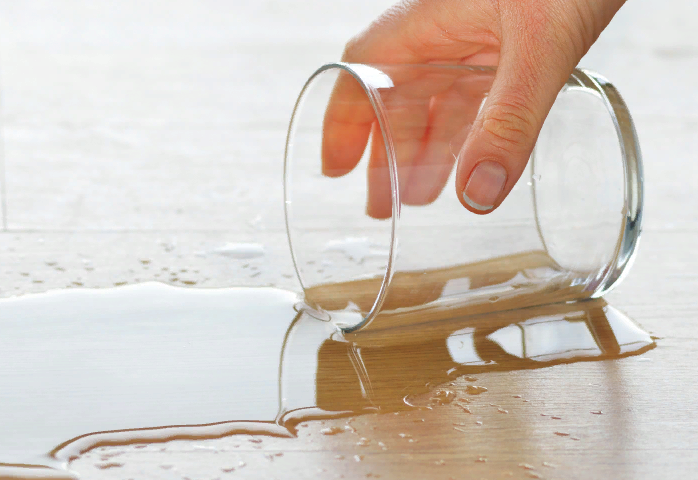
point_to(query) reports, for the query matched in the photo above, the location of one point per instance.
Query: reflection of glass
(374, 220)
(380, 367)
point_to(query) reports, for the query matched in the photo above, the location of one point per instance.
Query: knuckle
(511, 123)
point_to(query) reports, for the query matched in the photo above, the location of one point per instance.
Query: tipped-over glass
(375, 224)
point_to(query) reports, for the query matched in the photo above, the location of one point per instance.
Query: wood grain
(150, 130)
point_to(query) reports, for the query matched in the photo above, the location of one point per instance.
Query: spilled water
(153, 363)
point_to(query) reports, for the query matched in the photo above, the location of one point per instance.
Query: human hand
(535, 44)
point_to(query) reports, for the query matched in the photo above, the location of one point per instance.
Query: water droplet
(358, 458)
(405, 435)
(516, 396)
(382, 445)
(493, 298)
(465, 408)
(597, 412)
(556, 418)
(536, 177)
(145, 261)
(241, 464)
(255, 440)
(339, 457)
(440, 462)
(501, 410)
(412, 440)
(443, 397)
(240, 251)
(481, 459)
(478, 422)
(562, 434)
(363, 442)
(228, 469)
(451, 371)
(549, 465)
(474, 390)
(527, 466)
(533, 475)
(460, 430)
(332, 430)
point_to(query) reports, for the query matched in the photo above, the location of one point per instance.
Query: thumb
(500, 143)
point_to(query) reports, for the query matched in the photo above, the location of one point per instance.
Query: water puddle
(152, 363)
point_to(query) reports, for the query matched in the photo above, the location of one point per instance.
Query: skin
(535, 45)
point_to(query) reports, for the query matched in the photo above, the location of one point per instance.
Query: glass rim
(629, 235)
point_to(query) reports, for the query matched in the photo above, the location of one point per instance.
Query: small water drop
(556, 418)
(405, 435)
(469, 378)
(536, 177)
(562, 434)
(549, 465)
(474, 390)
(443, 397)
(527, 466)
(481, 459)
(597, 412)
(332, 430)
(516, 396)
(358, 458)
(478, 422)
(533, 475)
(382, 445)
(241, 251)
(255, 440)
(501, 410)
(228, 469)
(145, 261)
(363, 442)
(339, 457)
(493, 298)
(241, 464)
(440, 462)
(465, 408)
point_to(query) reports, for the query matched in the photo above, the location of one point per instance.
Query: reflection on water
(153, 363)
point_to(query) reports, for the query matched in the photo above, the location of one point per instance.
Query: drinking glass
(377, 232)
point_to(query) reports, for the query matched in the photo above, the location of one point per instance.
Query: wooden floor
(155, 130)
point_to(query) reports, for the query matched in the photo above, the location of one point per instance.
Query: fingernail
(486, 183)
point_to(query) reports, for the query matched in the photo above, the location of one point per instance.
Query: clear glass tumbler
(374, 222)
